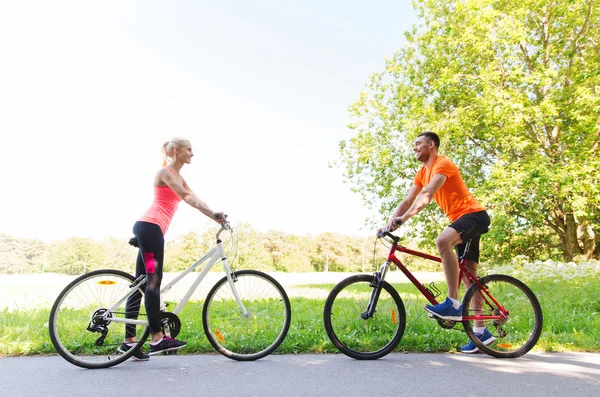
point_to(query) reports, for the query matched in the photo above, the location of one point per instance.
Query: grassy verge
(571, 323)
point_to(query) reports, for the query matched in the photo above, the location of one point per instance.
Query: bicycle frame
(463, 272)
(213, 255)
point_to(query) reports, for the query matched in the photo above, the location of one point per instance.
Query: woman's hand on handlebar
(219, 217)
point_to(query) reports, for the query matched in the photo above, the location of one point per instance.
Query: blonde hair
(168, 148)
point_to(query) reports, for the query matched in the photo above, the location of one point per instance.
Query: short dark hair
(432, 136)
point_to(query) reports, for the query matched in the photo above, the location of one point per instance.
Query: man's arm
(406, 203)
(422, 199)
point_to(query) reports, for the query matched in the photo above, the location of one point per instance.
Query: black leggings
(150, 263)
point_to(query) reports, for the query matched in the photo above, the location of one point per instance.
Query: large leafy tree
(512, 89)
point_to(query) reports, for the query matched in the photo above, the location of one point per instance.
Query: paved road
(313, 375)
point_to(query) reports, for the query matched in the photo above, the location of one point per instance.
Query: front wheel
(355, 336)
(86, 322)
(253, 334)
(513, 335)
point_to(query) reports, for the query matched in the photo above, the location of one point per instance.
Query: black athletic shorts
(471, 227)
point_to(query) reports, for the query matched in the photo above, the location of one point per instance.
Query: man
(440, 179)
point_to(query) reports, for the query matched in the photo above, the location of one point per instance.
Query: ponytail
(165, 153)
(168, 148)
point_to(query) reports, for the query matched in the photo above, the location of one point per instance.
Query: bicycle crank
(447, 324)
(170, 323)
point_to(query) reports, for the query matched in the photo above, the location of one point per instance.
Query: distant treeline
(271, 251)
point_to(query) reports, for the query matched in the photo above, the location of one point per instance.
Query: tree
(18, 255)
(119, 255)
(184, 253)
(511, 87)
(275, 244)
(251, 253)
(75, 255)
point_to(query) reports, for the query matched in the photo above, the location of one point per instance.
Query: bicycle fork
(232, 280)
(376, 284)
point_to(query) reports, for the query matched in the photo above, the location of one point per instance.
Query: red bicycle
(365, 318)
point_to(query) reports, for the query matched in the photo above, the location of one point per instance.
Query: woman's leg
(152, 244)
(132, 308)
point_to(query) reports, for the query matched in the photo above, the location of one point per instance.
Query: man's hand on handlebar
(381, 231)
(392, 225)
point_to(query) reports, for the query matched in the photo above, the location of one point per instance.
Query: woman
(169, 189)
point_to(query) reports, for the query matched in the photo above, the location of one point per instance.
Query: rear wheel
(255, 334)
(514, 335)
(83, 330)
(356, 337)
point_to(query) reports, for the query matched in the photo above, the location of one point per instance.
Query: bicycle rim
(252, 336)
(354, 336)
(520, 330)
(82, 330)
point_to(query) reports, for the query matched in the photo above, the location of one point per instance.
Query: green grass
(571, 323)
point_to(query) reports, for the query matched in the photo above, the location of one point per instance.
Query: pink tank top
(163, 207)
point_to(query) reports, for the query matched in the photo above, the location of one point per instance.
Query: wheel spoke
(514, 335)
(251, 336)
(354, 336)
(83, 303)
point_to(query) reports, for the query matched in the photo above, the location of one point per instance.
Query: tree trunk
(588, 239)
(571, 247)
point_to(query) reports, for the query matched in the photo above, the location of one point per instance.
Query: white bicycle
(246, 314)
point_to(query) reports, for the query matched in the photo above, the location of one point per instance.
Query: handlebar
(217, 216)
(385, 232)
(224, 226)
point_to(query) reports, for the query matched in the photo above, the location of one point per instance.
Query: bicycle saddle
(133, 241)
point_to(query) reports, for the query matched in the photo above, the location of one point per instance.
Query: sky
(89, 91)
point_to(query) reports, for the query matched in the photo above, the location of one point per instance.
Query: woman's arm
(187, 195)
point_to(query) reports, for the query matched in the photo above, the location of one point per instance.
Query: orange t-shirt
(453, 197)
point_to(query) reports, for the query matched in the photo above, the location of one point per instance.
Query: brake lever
(382, 233)
(385, 232)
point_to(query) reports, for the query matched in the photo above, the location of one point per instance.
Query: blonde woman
(169, 189)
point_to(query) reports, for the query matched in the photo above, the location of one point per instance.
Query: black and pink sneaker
(138, 354)
(166, 344)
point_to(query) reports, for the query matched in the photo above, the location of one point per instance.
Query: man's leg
(477, 302)
(445, 244)
(476, 308)
(450, 309)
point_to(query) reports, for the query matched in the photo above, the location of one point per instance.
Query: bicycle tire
(521, 331)
(73, 312)
(247, 338)
(349, 332)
